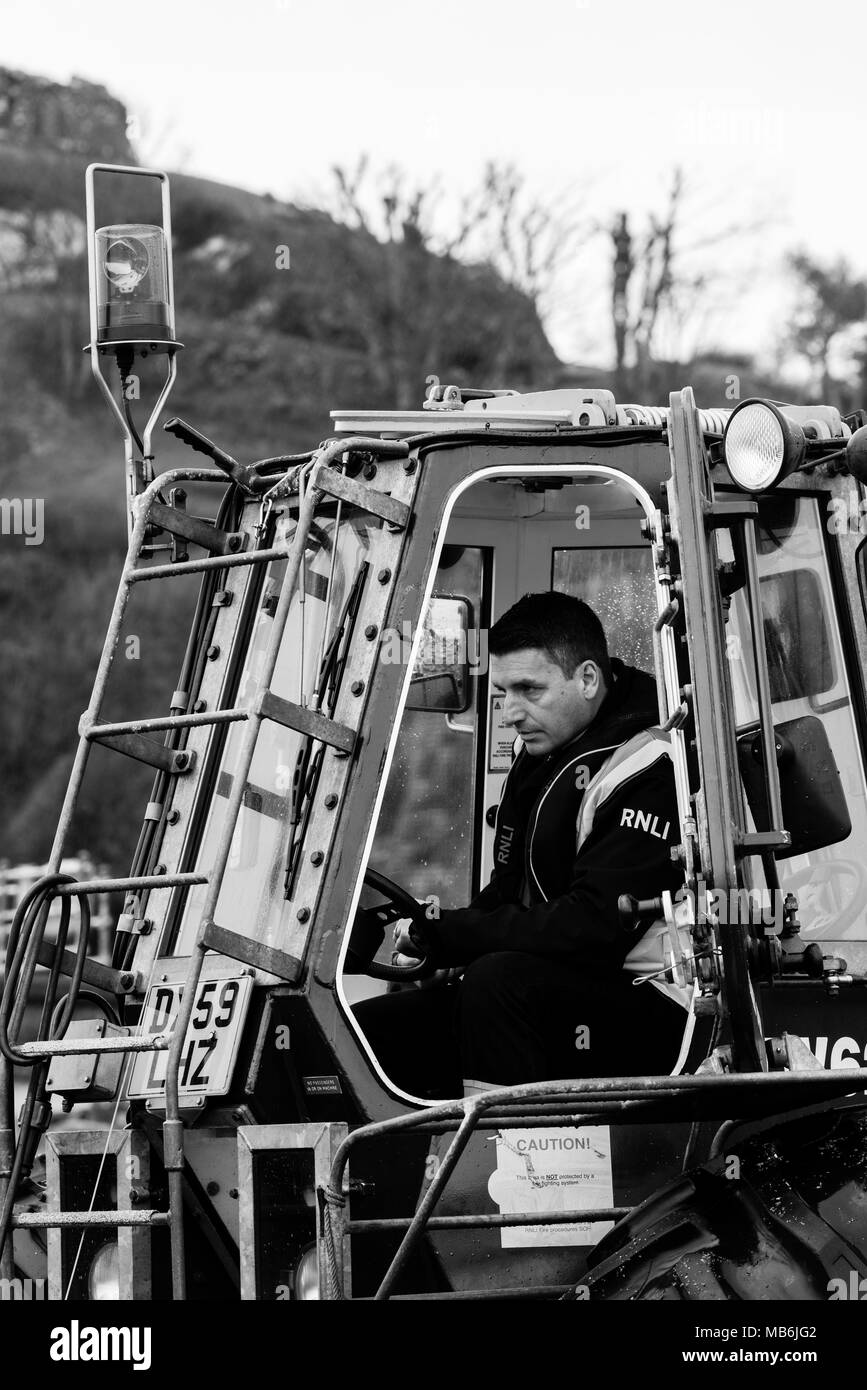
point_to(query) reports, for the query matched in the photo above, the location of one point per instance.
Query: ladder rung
(753, 842)
(306, 721)
(94, 972)
(122, 885)
(83, 1047)
(243, 948)
(367, 498)
(220, 562)
(124, 1216)
(166, 721)
(147, 750)
(196, 529)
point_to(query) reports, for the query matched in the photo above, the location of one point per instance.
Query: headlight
(761, 445)
(103, 1280)
(307, 1275)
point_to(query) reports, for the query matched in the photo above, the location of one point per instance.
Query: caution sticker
(502, 737)
(548, 1170)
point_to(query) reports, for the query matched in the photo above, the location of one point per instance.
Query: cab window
(807, 678)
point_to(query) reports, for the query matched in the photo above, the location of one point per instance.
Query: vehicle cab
(338, 727)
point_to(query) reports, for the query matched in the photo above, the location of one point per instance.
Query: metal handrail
(533, 1104)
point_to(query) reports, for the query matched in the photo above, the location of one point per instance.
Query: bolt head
(357, 687)
(317, 857)
(331, 800)
(384, 576)
(303, 914)
(370, 631)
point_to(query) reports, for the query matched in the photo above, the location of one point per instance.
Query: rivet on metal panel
(303, 914)
(173, 817)
(200, 706)
(357, 687)
(384, 576)
(331, 800)
(370, 631)
(213, 653)
(317, 857)
(409, 465)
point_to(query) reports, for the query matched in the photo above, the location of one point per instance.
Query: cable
(125, 358)
(25, 938)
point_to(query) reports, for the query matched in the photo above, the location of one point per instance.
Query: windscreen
(269, 833)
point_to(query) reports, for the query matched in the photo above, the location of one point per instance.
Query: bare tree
(664, 276)
(422, 256)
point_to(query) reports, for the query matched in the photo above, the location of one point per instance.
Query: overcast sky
(762, 103)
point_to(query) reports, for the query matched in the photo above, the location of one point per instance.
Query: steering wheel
(369, 928)
(834, 924)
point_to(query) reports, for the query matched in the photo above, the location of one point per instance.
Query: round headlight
(103, 1279)
(761, 445)
(307, 1275)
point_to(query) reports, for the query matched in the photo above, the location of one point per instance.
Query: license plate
(210, 1045)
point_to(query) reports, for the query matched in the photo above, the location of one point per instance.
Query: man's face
(543, 705)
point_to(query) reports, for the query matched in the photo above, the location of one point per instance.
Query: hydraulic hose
(25, 938)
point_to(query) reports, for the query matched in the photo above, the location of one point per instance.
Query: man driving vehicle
(551, 983)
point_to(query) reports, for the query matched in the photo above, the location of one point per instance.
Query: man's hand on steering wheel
(409, 943)
(369, 928)
(410, 946)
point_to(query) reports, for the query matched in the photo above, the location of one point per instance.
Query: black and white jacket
(594, 819)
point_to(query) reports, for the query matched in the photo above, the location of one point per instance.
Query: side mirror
(441, 678)
(814, 804)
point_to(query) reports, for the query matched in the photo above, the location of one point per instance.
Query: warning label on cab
(553, 1170)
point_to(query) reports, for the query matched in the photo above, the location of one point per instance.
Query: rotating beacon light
(132, 314)
(133, 297)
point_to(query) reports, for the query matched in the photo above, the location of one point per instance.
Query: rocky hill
(269, 351)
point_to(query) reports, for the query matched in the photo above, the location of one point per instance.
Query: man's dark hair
(563, 627)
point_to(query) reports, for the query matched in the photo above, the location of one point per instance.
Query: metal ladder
(135, 739)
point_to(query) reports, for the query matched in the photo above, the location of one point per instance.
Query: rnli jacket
(594, 819)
